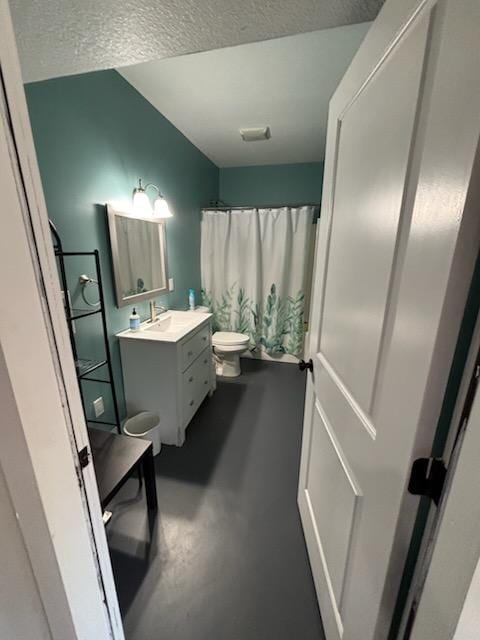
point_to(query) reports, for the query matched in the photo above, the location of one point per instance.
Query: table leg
(148, 469)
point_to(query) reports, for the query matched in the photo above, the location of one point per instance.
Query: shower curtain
(255, 269)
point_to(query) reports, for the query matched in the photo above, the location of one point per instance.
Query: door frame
(455, 554)
(449, 451)
(46, 426)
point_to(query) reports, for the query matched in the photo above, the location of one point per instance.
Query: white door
(397, 242)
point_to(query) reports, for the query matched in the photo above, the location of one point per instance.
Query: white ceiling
(284, 83)
(64, 37)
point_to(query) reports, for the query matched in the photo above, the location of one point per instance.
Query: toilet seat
(226, 339)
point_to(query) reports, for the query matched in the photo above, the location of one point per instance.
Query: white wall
(469, 623)
(21, 611)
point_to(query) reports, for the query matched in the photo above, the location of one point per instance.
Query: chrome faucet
(154, 309)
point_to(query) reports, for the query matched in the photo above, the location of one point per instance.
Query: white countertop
(170, 326)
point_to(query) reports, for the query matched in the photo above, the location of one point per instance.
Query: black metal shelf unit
(85, 367)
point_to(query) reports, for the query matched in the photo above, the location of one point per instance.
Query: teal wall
(271, 184)
(95, 136)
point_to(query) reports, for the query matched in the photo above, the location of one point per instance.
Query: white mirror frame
(122, 300)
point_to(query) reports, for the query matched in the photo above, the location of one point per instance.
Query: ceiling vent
(253, 134)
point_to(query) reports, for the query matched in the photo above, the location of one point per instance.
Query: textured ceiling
(64, 37)
(285, 84)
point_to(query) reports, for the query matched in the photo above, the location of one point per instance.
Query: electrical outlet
(98, 407)
(170, 284)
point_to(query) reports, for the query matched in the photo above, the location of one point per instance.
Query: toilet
(227, 348)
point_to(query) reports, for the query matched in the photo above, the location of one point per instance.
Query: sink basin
(171, 322)
(170, 326)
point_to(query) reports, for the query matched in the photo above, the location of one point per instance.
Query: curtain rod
(270, 206)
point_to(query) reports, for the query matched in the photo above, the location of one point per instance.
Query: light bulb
(161, 208)
(141, 204)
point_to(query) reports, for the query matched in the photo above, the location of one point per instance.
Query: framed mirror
(139, 256)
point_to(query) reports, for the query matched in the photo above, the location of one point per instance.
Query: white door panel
(334, 495)
(381, 299)
(372, 159)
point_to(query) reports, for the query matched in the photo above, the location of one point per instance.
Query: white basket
(145, 425)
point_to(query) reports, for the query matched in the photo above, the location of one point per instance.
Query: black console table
(116, 458)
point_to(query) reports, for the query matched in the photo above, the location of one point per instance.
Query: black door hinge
(427, 478)
(84, 457)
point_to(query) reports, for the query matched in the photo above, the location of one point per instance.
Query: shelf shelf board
(76, 314)
(106, 422)
(84, 367)
(84, 378)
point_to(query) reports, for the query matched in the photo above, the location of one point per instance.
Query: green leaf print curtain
(254, 266)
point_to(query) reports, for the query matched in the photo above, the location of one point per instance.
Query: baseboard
(262, 355)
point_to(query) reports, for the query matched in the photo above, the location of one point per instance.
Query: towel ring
(84, 281)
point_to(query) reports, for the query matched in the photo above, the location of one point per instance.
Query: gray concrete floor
(227, 557)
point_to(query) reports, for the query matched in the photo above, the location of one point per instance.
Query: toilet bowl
(227, 348)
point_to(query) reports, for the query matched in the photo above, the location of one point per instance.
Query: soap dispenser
(191, 299)
(134, 321)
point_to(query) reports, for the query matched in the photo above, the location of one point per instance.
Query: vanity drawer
(191, 349)
(196, 383)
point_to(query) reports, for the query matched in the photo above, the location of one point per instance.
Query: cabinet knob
(205, 361)
(190, 379)
(191, 403)
(206, 382)
(190, 353)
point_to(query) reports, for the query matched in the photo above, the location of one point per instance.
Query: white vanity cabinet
(168, 372)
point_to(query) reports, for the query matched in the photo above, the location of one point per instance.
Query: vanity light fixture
(142, 207)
